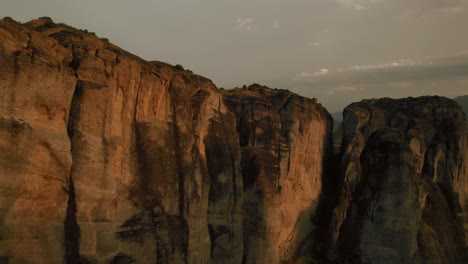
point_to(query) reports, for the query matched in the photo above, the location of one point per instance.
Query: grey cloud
(345, 89)
(358, 4)
(403, 69)
(247, 24)
(314, 44)
(434, 7)
(275, 24)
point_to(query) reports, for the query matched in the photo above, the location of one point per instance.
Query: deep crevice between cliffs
(178, 155)
(72, 229)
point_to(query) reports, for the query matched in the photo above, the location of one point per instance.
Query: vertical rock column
(403, 175)
(284, 139)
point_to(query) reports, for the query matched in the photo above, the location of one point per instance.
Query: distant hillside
(463, 102)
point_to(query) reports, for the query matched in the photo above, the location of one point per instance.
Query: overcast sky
(336, 50)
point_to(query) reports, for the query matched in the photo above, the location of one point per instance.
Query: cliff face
(107, 158)
(36, 90)
(284, 140)
(404, 192)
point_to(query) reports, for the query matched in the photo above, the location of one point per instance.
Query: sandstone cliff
(285, 140)
(108, 158)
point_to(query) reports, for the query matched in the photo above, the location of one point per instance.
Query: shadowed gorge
(108, 158)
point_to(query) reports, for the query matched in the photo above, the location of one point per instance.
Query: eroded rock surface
(403, 195)
(285, 139)
(109, 158)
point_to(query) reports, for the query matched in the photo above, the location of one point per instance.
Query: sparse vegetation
(46, 18)
(47, 25)
(50, 24)
(88, 32)
(254, 86)
(7, 18)
(65, 25)
(117, 51)
(262, 89)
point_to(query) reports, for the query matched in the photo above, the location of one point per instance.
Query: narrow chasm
(72, 229)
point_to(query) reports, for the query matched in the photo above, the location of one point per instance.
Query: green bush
(46, 18)
(50, 24)
(9, 19)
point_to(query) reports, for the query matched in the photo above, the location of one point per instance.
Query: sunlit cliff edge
(108, 158)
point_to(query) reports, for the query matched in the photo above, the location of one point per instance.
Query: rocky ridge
(108, 158)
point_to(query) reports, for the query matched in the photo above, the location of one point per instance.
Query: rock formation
(403, 192)
(284, 139)
(106, 158)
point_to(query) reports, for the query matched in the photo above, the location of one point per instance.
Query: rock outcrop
(285, 140)
(403, 196)
(106, 158)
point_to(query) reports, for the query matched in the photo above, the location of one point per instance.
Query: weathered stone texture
(285, 139)
(107, 159)
(137, 160)
(403, 195)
